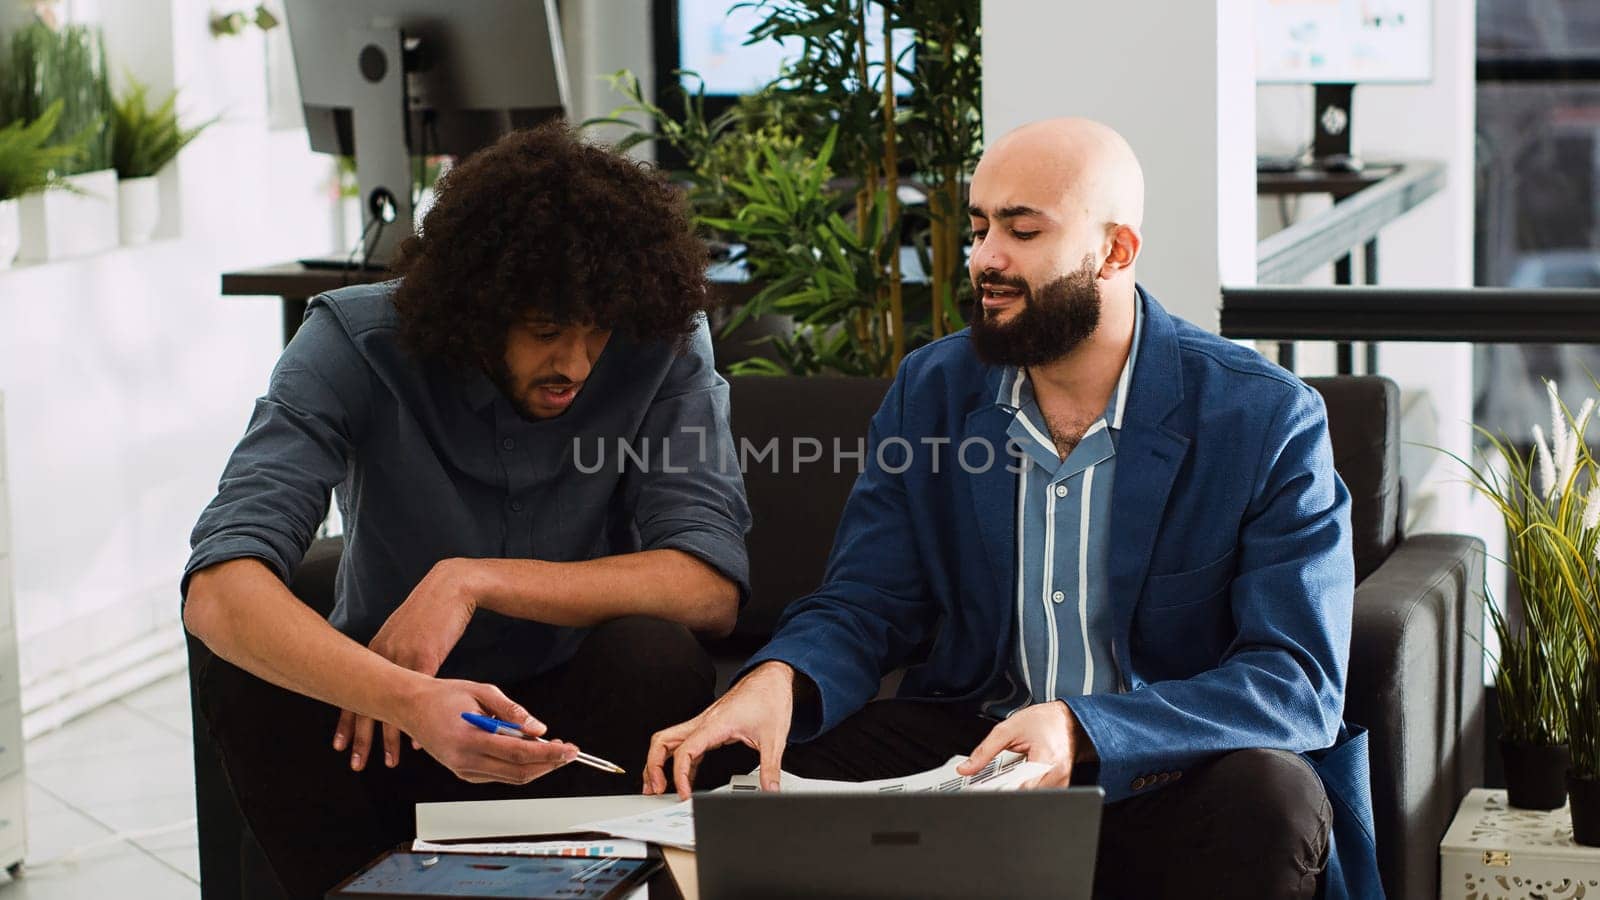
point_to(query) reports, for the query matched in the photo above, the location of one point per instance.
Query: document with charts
(674, 825)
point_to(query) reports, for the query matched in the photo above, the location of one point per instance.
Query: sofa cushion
(1364, 424)
(795, 512)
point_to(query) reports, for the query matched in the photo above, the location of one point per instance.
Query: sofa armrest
(1416, 682)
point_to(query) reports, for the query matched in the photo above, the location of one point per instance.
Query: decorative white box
(58, 223)
(1495, 852)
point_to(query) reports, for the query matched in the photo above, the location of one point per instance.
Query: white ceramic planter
(138, 209)
(10, 232)
(62, 223)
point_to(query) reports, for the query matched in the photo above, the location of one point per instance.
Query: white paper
(621, 849)
(674, 825)
(1005, 772)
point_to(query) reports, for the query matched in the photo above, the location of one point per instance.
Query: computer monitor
(1337, 44)
(707, 37)
(385, 80)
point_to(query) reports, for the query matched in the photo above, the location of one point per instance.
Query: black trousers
(1250, 824)
(318, 822)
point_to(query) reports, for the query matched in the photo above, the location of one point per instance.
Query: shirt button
(508, 444)
(516, 506)
(1061, 490)
(1058, 596)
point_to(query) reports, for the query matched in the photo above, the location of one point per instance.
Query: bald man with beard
(1148, 586)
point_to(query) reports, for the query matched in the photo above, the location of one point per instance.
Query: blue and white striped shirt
(1064, 625)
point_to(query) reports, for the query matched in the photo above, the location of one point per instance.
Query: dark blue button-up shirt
(428, 465)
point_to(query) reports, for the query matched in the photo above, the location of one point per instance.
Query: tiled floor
(111, 804)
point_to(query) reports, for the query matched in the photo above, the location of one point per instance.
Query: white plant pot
(57, 224)
(10, 233)
(138, 209)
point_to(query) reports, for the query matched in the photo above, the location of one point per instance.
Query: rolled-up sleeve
(275, 489)
(691, 497)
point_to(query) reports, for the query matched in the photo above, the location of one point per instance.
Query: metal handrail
(1288, 256)
(1478, 315)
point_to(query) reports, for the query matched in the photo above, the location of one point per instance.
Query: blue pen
(495, 726)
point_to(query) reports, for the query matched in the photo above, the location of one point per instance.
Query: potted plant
(1546, 639)
(143, 141)
(68, 66)
(28, 163)
(1582, 553)
(828, 262)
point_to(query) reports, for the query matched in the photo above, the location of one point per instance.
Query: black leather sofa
(1415, 676)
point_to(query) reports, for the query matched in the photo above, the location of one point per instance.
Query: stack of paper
(673, 826)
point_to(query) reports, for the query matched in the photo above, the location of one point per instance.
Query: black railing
(1538, 68)
(1475, 315)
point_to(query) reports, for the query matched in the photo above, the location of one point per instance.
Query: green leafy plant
(718, 149)
(67, 66)
(837, 104)
(144, 140)
(1549, 499)
(234, 22)
(812, 265)
(28, 161)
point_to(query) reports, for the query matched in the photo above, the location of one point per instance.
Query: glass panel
(1538, 199)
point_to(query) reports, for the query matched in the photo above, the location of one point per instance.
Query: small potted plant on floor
(143, 142)
(28, 163)
(1549, 503)
(1583, 717)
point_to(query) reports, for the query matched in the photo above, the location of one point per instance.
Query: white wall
(1177, 80)
(128, 378)
(602, 36)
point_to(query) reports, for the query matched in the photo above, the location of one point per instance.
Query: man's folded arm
(688, 506)
(1281, 684)
(272, 497)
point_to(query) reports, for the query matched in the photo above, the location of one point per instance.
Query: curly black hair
(543, 223)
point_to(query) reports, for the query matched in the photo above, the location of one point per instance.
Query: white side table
(1495, 852)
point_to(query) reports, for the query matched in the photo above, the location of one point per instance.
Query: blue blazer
(1230, 566)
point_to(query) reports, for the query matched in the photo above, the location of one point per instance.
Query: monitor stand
(1333, 111)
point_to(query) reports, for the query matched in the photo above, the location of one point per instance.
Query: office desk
(294, 284)
(508, 818)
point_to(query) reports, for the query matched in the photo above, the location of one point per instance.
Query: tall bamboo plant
(931, 44)
(840, 85)
(942, 132)
(1549, 499)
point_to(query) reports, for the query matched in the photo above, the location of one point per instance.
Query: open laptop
(958, 845)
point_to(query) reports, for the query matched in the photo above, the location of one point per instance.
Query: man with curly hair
(555, 294)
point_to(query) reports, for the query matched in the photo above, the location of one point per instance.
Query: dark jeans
(318, 822)
(1253, 823)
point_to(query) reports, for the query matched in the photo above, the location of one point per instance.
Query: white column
(1177, 79)
(601, 37)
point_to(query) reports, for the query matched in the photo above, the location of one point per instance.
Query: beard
(1051, 323)
(517, 395)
